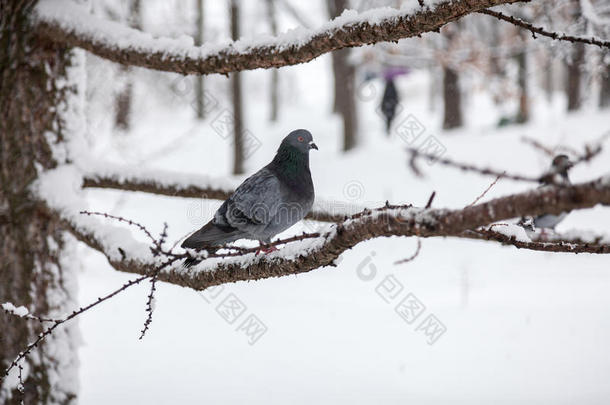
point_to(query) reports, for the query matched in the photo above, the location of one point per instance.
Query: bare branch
(590, 152)
(48, 331)
(541, 31)
(567, 246)
(548, 151)
(72, 25)
(413, 256)
(464, 167)
(493, 183)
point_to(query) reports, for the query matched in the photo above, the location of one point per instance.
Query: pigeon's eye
(300, 139)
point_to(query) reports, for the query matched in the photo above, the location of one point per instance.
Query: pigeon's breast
(296, 204)
(294, 207)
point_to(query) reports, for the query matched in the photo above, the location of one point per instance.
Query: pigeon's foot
(266, 249)
(546, 234)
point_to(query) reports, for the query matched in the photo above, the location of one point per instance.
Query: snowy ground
(520, 325)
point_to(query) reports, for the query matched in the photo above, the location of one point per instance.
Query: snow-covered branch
(306, 254)
(204, 187)
(72, 24)
(159, 182)
(22, 312)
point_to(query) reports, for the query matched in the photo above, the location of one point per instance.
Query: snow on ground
(520, 325)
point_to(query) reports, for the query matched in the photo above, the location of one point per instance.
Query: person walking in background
(391, 98)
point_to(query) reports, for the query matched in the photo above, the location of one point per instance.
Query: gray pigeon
(558, 174)
(266, 203)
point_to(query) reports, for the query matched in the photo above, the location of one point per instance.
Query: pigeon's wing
(254, 204)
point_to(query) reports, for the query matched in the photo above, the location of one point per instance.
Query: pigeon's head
(561, 164)
(299, 139)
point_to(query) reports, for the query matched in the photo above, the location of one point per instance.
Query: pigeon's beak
(313, 146)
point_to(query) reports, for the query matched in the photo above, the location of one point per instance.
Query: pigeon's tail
(212, 235)
(190, 262)
(209, 237)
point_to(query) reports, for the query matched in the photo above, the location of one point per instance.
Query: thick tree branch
(313, 253)
(72, 25)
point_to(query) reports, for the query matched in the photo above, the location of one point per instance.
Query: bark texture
(31, 270)
(268, 56)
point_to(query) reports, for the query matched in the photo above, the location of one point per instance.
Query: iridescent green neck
(291, 162)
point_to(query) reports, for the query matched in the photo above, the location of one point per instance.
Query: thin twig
(548, 177)
(149, 306)
(120, 219)
(550, 246)
(413, 256)
(541, 31)
(74, 314)
(485, 192)
(550, 152)
(467, 167)
(30, 316)
(20, 386)
(430, 199)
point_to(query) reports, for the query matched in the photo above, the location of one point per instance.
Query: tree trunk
(548, 83)
(123, 104)
(275, 77)
(452, 98)
(574, 65)
(604, 91)
(451, 90)
(574, 73)
(238, 144)
(32, 73)
(496, 66)
(199, 85)
(344, 76)
(524, 113)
